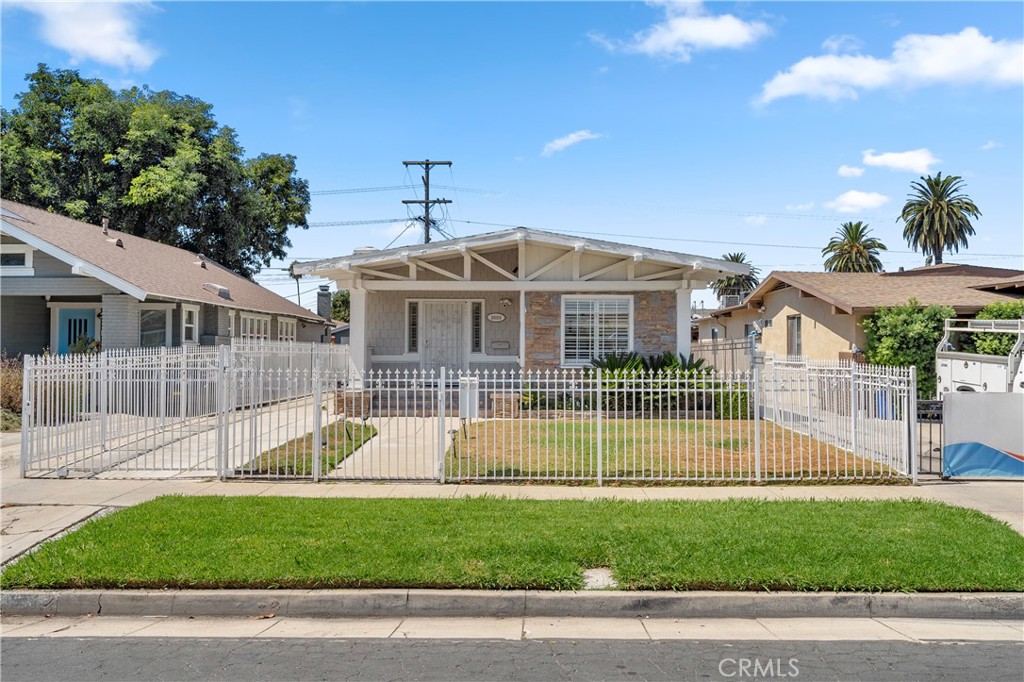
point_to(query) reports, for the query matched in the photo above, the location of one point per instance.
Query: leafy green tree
(340, 305)
(998, 344)
(738, 285)
(937, 215)
(157, 164)
(852, 250)
(905, 336)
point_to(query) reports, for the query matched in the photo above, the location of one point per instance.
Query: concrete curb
(484, 603)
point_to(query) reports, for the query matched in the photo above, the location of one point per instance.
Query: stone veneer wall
(654, 324)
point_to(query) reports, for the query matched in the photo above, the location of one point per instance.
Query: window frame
(26, 269)
(168, 311)
(631, 339)
(185, 310)
(797, 337)
(292, 324)
(263, 321)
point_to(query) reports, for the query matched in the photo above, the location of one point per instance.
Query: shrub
(998, 344)
(10, 384)
(907, 335)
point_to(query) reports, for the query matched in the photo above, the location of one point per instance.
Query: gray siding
(24, 325)
(386, 325)
(120, 321)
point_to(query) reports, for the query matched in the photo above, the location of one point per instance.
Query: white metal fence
(727, 355)
(296, 411)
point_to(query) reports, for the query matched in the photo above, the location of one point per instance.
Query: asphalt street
(181, 658)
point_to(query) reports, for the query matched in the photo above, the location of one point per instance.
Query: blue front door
(73, 323)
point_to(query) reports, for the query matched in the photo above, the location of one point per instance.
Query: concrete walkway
(728, 629)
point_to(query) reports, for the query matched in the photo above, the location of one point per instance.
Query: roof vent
(364, 250)
(201, 263)
(117, 242)
(106, 224)
(221, 291)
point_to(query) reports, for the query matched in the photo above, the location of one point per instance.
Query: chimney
(901, 268)
(323, 302)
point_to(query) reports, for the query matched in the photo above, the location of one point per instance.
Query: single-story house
(339, 332)
(518, 298)
(62, 280)
(818, 314)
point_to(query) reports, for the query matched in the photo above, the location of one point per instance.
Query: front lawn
(648, 449)
(226, 542)
(337, 441)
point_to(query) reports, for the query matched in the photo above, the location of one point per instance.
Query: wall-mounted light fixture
(506, 302)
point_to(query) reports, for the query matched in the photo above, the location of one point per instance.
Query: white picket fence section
(302, 413)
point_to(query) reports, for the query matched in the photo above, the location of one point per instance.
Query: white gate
(444, 337)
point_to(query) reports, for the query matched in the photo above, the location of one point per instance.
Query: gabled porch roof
(561, 261)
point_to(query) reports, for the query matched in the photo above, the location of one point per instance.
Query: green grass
(295, 457)
(226, 542)
(721, 449)
(9, 421)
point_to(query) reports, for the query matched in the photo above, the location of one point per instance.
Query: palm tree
(937, 216)
(737, 285)
(852, 250)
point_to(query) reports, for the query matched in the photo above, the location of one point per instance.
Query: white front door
(444, 336)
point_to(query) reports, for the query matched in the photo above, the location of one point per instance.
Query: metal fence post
(912, 427)
(221, 387)
(600, 428)
(756, 387)
(104, 385)
(441, 426)
(27, 407)
(319, 442)
(853, 408)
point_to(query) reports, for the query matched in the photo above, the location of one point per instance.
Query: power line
(695, 241)
(426, 201)
(346, 223)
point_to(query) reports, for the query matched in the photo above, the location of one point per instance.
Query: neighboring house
(339, 332)
(516, 298)
(818, 314)
(61, 279)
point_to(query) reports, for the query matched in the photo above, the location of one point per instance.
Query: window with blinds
(596, 327)
(477, 326)
(413, 327)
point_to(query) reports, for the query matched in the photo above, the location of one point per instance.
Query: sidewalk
(35, 510)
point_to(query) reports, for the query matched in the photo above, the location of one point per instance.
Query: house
(518, 298)
(62, 280)
(818, 314)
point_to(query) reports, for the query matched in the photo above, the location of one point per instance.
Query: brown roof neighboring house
(141, 267)
(1007, 286)
(961, 287)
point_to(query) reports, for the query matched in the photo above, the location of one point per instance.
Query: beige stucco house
(818, 314)
(518, 298)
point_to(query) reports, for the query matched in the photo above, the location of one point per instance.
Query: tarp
(984, 435)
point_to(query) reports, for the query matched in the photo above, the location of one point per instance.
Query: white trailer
(960, 371)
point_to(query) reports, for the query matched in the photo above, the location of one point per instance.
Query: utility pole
(426, 201)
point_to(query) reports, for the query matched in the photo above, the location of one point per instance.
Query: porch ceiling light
(506, 302)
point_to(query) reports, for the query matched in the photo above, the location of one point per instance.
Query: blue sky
(702, 128)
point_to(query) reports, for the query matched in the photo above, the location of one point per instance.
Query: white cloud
(800, 207)
(104, 32)
(961, 58)
(850, 171)
(685, 29)
(841, 43)
(754, 219)
(568, 141)
(991, 144)
(855, 201)
(916, 160)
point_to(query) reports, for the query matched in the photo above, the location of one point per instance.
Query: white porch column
(522, 329)
(357, 329)
(683, 311)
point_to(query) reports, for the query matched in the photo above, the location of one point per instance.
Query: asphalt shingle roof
(160, 270)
